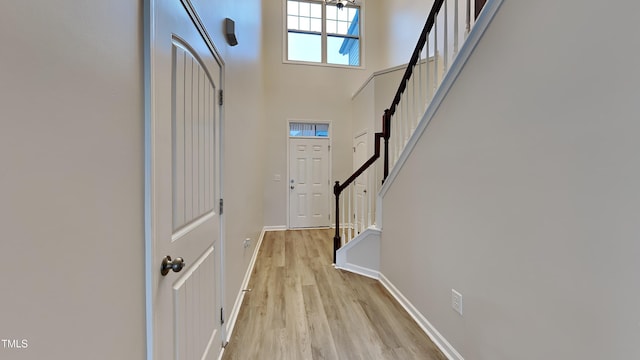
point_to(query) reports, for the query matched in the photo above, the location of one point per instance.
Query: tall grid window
(322, 33)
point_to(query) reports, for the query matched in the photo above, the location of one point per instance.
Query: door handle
(292, 187)
(167, 264)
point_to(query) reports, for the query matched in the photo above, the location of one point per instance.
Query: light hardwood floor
(300, 307)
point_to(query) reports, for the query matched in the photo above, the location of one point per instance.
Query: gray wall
(522, 194)
(71, 184)
(244, 127)
(72, 178)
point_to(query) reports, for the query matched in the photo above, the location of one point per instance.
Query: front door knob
(167, 264)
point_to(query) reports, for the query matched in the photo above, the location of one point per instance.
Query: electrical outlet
(246, 243)
(456, 301)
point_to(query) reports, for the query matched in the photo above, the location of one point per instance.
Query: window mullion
(324, 34)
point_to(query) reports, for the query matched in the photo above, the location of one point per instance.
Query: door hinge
(329, 147)
(221, 316)
(221, 97)
(221, 206)
(354, 149)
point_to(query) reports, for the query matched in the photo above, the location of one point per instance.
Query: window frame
(324, 35)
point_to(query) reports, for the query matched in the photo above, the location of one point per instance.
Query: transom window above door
(323, 32)
(297, 129)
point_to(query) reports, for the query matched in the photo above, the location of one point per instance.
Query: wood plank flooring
(300, 307)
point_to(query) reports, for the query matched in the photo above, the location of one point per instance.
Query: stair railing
(447, 26)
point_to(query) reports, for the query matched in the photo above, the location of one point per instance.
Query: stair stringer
(362, 254)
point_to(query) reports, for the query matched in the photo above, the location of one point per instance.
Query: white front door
(308, 182)
(183, 187)
(361, 200)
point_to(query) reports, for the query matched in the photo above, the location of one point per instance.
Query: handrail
(386, 123)
(431, 19)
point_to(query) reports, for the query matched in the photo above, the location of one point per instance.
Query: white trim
(233, 317)
(375, 74)
(149, 31)
(447, 349)
(275, 228)
(194, 224)
(481, 25)
(356, 269)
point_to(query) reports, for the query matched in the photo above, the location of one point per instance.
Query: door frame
(149, 239)
(330, 171)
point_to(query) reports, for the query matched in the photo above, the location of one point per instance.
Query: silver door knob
(167, 264)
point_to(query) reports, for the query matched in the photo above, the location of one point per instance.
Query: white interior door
(308, 182)
(361, 199)
(183, 152)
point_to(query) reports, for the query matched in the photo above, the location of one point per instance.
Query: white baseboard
(373, 274)
(275, 228)
(437, 338)
(245, 283)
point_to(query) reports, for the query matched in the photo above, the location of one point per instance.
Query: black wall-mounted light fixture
(230, 32)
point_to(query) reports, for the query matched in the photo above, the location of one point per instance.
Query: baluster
(445, 62)
(414, 111)
(455, 29)
(396, 137)
(392, 146)
(420, 92)
(349, 230)
(400, 118)
(343, 224)
(428, 68)
(357, 204)
(370, 196)
(407, 118)
(468, 23)
(435, 55)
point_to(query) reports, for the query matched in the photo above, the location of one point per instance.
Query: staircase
(448, 38)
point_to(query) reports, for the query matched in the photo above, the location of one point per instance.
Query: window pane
(304, 47)
(305, 9)
(332, 12)
(316, 11)
(292, 22)
(308, 129)
(343, 51)
(316, 25)
(292, 7)
(342, 28)
(345, 27)
(342, 14)
(322, 130)
(332, 26)
(352, 13)
(304, 23)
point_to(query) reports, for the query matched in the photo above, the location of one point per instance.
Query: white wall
(244, 127)
(523, 191)
(400, 27)
(71, 184)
